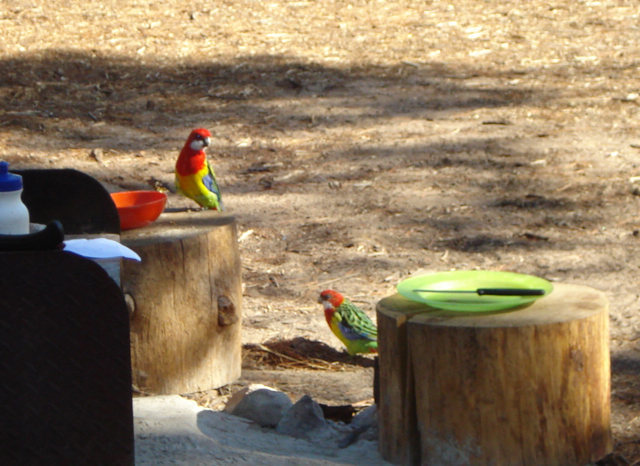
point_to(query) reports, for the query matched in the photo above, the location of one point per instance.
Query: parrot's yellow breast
(192, 185)
(337, 332)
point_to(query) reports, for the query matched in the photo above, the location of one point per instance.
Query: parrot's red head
(330, 298)
(192, 156)
(198, 139)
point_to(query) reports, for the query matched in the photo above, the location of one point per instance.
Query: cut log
(528, 386)
(185, 302)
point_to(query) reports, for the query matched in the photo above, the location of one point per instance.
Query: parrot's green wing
(354, 323)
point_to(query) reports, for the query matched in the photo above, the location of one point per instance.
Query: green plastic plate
(471, 280)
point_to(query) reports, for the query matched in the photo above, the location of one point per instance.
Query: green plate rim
(472, 279)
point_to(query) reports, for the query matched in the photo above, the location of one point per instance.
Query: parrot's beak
(320, 300)
(206, 142)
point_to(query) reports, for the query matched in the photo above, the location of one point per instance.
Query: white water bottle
(14, 216)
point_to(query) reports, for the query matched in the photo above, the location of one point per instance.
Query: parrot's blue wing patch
(209, 181)
(352, 334)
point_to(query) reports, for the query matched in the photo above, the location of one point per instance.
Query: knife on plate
(491, 291)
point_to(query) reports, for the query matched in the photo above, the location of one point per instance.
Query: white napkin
(100, 248)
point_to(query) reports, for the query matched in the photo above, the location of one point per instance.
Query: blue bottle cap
(9, 181)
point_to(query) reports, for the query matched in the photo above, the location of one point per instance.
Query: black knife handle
(510, 291)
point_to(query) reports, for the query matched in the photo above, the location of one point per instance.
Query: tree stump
(527, 386)
(185, 302)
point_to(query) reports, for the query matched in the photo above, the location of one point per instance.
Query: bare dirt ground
(358, 142)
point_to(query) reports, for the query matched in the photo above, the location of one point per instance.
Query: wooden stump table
(529, 386)
(185, 302)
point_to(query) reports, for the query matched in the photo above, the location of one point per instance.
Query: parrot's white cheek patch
(327, 305)
(196, 145)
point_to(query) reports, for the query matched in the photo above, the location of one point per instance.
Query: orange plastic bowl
(138, 208)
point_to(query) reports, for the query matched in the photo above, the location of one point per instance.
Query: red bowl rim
(136, 215)
(140, 198)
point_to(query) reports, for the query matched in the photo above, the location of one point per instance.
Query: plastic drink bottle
(14, 216)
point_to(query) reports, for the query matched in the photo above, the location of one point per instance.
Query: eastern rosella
(194, 176)
(349, 323)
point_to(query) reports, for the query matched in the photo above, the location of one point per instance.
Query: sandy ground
(358, 143)
(173, 430)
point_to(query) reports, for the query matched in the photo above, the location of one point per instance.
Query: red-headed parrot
(349, 323)
(194, 176)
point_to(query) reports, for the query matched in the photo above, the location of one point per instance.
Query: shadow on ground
(44, 91)
(301, 353)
